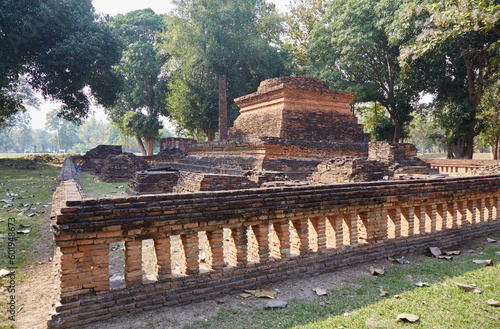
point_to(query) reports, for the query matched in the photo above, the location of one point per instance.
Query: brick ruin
(281, 198)
(208, 244)
(285, 133)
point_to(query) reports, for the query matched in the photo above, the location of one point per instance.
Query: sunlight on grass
(440, 305)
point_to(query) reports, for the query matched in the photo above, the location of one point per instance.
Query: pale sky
(113, 7)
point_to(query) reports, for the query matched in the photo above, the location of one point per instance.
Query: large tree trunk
(449, 150)
(422, 142)
(141, 145)
(463, 147)
(150, 143)
(495, 149)
(208, 133)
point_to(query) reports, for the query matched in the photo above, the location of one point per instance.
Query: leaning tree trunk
(150, 143)
(469, 144)
(398, 128)
(495, 149)
(141, 145)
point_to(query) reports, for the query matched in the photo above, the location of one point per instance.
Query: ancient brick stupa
(291, 131)
(298, 108)
(289, 125)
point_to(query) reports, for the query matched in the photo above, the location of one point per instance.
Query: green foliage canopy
(213, 37)
(458, 44)
(142, 98)
(350, 50)
(300, 21)
(62, 47)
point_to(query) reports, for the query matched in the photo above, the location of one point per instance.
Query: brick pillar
(462, 213)
(496, 208)
(301, 226)
(470, 211)
(489, 214)
(350, 228)
(262, 235)
(419, 218)
(83, 268)
(441, 214)
(338, 233)
(452, 215)
(192, 252)
(319, 225)
(394, 223)
(163, 261)
(283, 231)
(100, 270)
(482, 212)
(407, 221)
(241, 242)
(430, 218)
(133, 262)
(216, 243)
(372, 226)
(363, 227)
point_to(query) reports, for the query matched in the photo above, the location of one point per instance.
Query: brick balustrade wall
(250, 237)
(458, 166)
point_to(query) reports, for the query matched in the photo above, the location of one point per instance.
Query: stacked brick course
(153, 181)
(122, 167)
(290, 124)
(464, 167)
(271, 234)
(93, 160)
(194, 182)
(351, 169)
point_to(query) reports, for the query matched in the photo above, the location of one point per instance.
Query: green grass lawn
(94, 188)
(25, 197)
(439, 305)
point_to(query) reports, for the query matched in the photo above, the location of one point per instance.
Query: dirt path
(178, 316)
(37, 290)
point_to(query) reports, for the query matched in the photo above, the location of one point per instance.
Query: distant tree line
(62, 136)
(142, 66)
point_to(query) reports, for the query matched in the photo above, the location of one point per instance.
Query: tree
(22, 94)
(459, 41)
(142, 99)
(214, 38)
(65, 131)
(9, 125)
(62, 47)
(350, 50)
(423, 126)
(41, 140)
(23, 136)
(373, 118)
(300, 21)
(489, 116)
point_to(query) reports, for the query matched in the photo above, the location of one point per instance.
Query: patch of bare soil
(298, 288)
(36, 295)
(37, 289)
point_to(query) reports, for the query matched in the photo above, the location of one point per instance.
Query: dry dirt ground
(37, 291)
